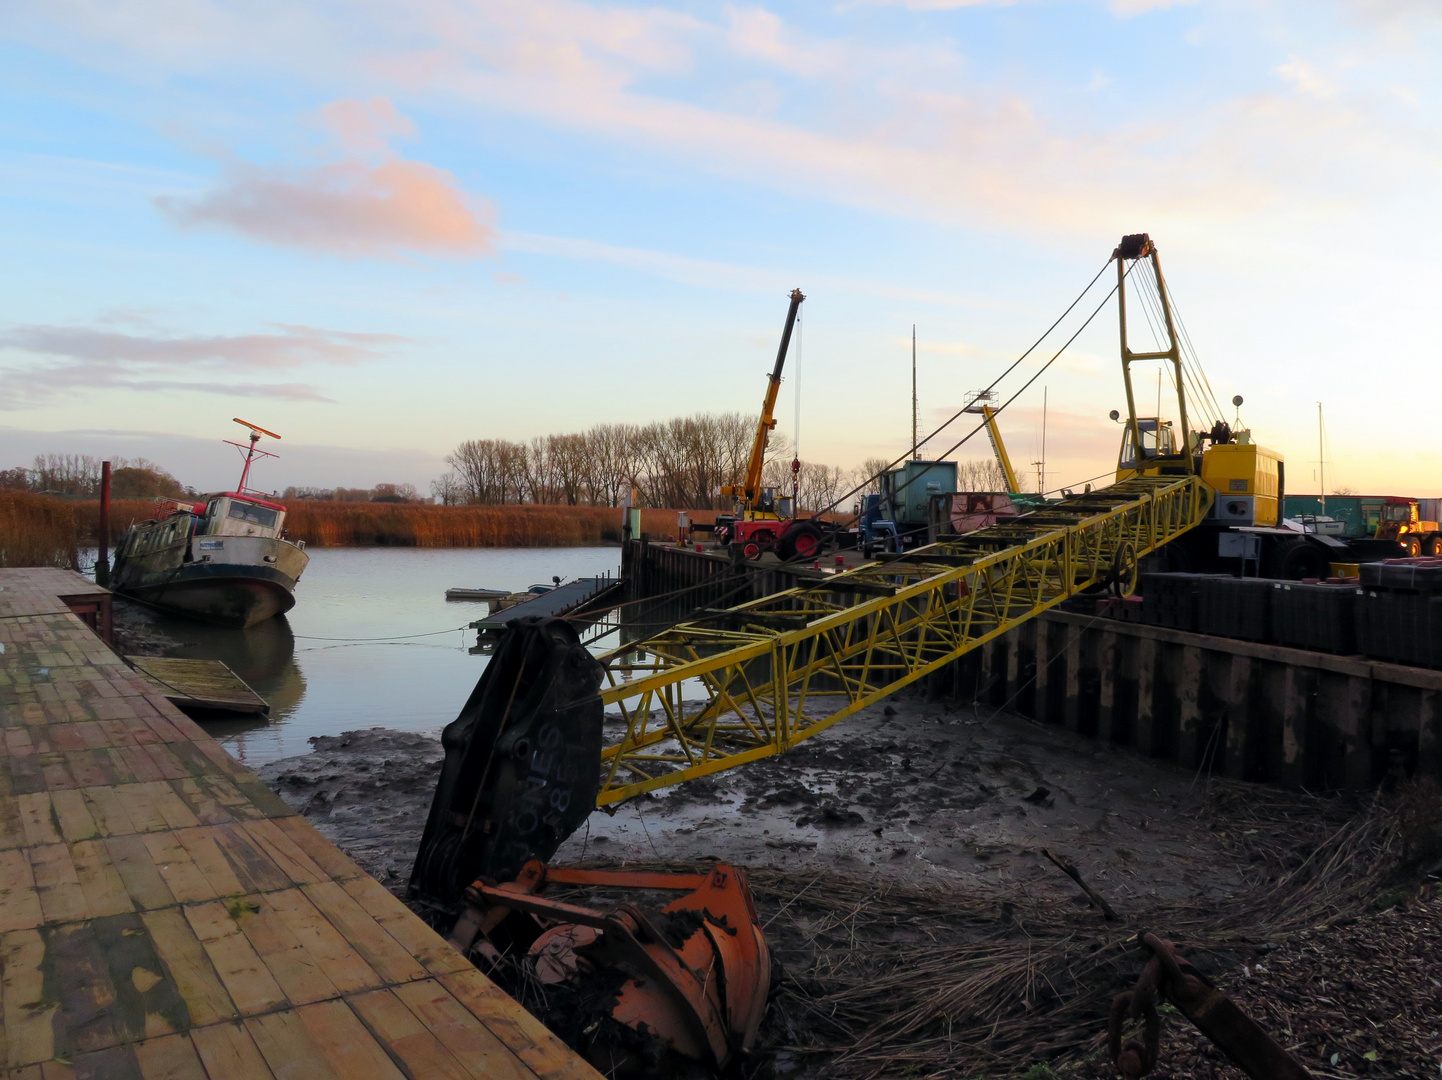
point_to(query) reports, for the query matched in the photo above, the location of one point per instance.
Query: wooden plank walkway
(201, 684)
(164, 915)
(558, 601)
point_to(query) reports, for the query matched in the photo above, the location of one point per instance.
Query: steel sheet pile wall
(1241, 709)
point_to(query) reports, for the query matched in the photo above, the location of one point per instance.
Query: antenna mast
(915, 452)
(1321, 461)
(252, 450)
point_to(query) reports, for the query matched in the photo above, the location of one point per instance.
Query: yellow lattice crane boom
(753, 680)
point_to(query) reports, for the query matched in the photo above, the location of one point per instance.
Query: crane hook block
(1133, 246)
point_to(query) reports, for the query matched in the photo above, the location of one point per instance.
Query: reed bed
(37, 531)
(324, 524)
(881, 979)
(345, 524)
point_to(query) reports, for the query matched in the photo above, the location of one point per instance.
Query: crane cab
(1157, 445)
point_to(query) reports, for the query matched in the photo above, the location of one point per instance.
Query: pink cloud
(354, 208)
(366, 127)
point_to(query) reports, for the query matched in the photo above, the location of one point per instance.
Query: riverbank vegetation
(410, 525)
(353, 524)
(37, 531)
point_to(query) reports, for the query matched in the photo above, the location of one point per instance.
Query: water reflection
(372, 641)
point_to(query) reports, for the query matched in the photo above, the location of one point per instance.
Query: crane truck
(1245, 524)
(756, 525)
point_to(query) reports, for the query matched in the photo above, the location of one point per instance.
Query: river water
(320, 674)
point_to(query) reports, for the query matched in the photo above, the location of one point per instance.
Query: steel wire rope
(1003, 406)
(1067, 344)
(1192, 388)
(1189, 348)
(1187, 339)
(952, 419)
(1192, 374)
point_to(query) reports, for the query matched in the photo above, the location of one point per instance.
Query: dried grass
(37, 530)
(889, 980)
(345, 524)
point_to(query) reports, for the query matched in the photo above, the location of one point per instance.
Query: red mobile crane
(757, 526)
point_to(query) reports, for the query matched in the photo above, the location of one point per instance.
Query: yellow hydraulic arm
(749, 490)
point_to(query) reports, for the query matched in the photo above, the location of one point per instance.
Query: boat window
(256, 515)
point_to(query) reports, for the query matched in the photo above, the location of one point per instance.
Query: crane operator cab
(1157, 443)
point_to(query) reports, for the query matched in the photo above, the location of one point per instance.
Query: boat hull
(241, 582)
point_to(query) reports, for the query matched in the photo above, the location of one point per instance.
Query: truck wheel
(1293, 560)
(1433, 546)
(1413, 546)
(751, 549)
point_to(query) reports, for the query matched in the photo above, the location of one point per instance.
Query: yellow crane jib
(753, 680)
(1003, 459)
(750, 489)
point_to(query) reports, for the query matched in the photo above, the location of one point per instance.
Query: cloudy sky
(380, 228)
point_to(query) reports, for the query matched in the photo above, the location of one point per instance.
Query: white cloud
(1129, 8)
(1307, 79)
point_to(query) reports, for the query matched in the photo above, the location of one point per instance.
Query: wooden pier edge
(165, 915)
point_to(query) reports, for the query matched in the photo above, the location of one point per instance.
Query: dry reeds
(358, 524)
(336, 524)
(36, 530)
(889, 980)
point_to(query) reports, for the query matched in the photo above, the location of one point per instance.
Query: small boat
(224, 559)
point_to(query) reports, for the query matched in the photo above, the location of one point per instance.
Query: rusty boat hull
(234, 580)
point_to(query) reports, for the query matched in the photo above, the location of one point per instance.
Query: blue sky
(382, 228)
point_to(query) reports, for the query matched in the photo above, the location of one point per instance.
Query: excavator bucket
(639, 994)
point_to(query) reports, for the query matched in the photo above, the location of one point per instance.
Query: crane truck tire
(1433, 546)
(1293, 560)
(1412, 545)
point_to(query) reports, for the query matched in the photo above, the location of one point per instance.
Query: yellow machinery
(1003, 459)
(753, 680)
(757, 527)
(1400, 521)
(1246, 478)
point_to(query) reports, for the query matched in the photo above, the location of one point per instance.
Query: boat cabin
(233, 514)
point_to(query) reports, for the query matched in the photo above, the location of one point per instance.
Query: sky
(382, 228)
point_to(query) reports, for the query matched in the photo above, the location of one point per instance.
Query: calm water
(320, 686)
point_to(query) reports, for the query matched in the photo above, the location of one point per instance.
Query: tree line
(681, 462)
(78, 476)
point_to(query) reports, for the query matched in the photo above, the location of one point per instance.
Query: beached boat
(224, 559)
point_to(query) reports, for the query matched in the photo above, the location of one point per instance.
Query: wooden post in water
(102, 558)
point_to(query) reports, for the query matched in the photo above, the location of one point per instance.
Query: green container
(908, 490)
(1358, 513)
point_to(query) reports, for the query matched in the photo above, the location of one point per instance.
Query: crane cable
(997, 412)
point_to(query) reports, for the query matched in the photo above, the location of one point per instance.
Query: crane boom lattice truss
(752, 681)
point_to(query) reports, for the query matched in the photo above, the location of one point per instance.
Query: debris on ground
(933, 939)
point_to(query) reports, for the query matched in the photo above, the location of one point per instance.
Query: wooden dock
(163, 914)
(562, 600)
(201, 684)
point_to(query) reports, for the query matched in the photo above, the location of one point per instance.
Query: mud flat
(919, 931)
(909, 792)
